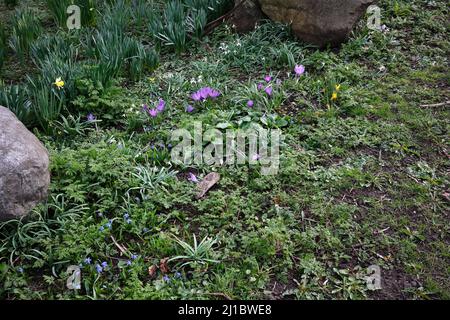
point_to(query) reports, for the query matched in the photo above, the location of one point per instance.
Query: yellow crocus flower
(334, 96)
(338, 87)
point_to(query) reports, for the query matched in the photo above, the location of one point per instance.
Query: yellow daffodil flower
(338, 87)
(334, 96)
(59, 83)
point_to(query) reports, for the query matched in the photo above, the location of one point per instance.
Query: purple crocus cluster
(205, 93)
(153, 112)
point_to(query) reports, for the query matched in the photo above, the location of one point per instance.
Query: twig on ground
(435, 105)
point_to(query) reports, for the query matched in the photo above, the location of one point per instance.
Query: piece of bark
(207, 183)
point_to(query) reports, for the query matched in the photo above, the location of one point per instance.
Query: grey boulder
(24, 168)
(319, 22)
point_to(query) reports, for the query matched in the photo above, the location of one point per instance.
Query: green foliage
(362, 179)
(198, 253)
(46, 103)
(26, 27)
(11, 3)
(3, 46)
(183, 20)
(16, 98)
(58, 9)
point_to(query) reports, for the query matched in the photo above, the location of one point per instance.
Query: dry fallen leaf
(152, 271)
(163, 265)
(207, 183)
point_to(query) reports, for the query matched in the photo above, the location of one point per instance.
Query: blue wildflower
(104, 264)
(177, 275)
(90, 117)
(128, 263)
(87, 260)
(134, 256)
(166, 278)
(98, 268)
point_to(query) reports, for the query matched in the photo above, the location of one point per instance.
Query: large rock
(320, 22)
(246, 16)
(24, 171)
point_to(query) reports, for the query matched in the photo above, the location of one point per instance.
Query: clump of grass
(58, 9)
(26, 28)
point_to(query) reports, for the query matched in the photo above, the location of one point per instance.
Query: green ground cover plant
(363, 174)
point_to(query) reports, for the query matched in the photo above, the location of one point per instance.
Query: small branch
(119, 246)
(442, 104)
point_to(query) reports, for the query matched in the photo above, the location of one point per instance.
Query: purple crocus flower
(90, 117)
(299, 70)
(189, 108)
(260, 86)
(153, 113)
(269, 91)
(256, 157)
(145, 108)
(267, 78)
(250, 103)
(279, 82)
(192, 177)
(205, 93)
(214, 93)
(196, 96)
(161, 105)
